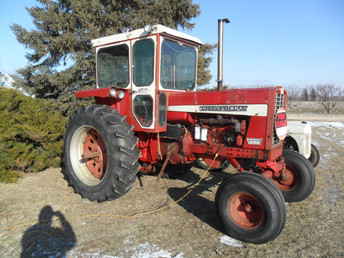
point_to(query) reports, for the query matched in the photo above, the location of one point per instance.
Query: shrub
(31, 134)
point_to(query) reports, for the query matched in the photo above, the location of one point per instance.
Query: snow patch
(326, 137)
(230, 241)
(147, 250)
(328, 124)
(88, 255)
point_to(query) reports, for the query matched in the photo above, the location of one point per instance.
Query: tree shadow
(44, 240)
(199, 206)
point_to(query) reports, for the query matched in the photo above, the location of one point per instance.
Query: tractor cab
(138, 69)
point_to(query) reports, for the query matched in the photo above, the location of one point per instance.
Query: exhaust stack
(220, 53)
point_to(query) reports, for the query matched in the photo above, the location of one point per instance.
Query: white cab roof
(143, 32)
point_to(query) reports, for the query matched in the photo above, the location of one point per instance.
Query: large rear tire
(251, 208)
(315, 156)
(100, 153)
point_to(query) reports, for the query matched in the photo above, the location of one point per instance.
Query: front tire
(299, 179)
(315, 156)
(251, 208)
(100, 153)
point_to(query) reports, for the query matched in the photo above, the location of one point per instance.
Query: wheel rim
(88, 155)
(286, 181)
(246, 210)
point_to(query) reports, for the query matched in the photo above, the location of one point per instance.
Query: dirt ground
(41, 216)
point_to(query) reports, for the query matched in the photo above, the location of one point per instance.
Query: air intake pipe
(220, 53)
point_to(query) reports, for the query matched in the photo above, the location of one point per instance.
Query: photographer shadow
(44, 240)
(194, 202)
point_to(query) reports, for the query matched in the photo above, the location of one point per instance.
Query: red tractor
(148, 114)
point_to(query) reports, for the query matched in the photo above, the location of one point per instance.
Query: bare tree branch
(328, 95)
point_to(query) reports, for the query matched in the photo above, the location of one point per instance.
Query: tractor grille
(279, 101)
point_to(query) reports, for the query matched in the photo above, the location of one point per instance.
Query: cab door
(143, 82)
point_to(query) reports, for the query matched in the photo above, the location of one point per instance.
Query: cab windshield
(178, 66)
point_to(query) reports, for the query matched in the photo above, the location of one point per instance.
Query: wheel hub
(94, 153)
(245, 210)
(285, 181)
(248, 207)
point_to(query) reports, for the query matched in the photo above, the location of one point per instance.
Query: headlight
(113, 92)
(120, 94)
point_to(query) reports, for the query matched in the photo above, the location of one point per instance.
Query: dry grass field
(307, 107)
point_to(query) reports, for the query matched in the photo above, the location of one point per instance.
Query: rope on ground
(165, 205)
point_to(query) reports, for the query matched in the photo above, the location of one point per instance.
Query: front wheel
(100, 153)
(251, 208)
(297, 180)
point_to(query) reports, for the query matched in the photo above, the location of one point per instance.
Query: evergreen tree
(31, 134)
(204, 60)
(61, 59)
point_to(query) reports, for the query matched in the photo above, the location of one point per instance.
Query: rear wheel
(251, 208)
(100, 153)
(315, 156)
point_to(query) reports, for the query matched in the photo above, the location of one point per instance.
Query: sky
(290, 42)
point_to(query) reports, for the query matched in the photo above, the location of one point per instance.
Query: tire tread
(123, 151)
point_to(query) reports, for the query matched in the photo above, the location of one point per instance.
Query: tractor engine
(211, 130)
(216, 130)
